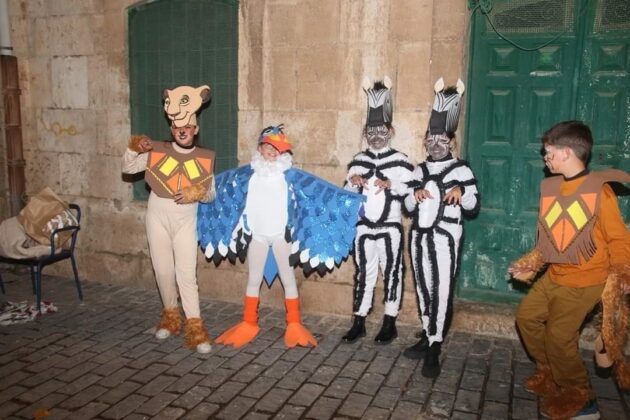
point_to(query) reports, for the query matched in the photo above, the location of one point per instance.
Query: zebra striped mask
(445, 113)
(380, 106)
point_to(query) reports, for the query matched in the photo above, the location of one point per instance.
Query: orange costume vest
(169, 171)
(565, 223)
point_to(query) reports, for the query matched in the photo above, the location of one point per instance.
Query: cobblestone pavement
(100, 360)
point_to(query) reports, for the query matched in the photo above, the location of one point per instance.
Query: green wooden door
(551, 60)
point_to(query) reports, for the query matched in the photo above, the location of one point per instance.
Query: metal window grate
(185, 42)
(531, 16)
(612, 15)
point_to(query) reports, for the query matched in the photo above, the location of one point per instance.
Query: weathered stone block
(71, 168)
(450, 19)
(72, 35)
(360, 21)
(282, 23)
(282, 92)
(412, 20)
(66, 130)
(414, 64)
(317, 69)
(70, 82)
(42, 169)
(105, 177)
(317, 22)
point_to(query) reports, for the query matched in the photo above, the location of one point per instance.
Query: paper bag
(44, 213)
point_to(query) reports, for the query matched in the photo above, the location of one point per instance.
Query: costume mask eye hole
(167, 101)
(184, 101)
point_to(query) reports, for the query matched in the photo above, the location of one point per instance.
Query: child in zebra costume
(444, 188)
(381, 174)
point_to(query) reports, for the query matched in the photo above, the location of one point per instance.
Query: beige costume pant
(172, 235)
(549, 320)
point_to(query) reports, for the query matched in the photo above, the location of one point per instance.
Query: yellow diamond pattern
(553, 214)
(192, 169)
(577, 214)
(169, 166)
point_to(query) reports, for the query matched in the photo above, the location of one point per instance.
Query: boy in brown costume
(583, 239)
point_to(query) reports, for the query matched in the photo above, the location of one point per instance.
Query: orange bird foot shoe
(239, 335)
(297, 335)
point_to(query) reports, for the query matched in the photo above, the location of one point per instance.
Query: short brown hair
(572, 134)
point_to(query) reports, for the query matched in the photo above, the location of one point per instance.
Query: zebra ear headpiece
(445, 113)
(380, 104)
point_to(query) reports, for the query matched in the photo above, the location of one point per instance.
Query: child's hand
(191, 194)
(358, 181)
(382, 184)
(453, 197)
(422, 195)
(524, 274)
(140, 144)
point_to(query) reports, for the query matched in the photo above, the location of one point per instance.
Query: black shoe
(388, 331)
(431, 367)
(418, 350)
(356, 331)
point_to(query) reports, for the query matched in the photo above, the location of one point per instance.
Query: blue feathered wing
(221, 230)
(322, 221)
(321, 224)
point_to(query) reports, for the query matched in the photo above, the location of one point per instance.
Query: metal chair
(37, 264)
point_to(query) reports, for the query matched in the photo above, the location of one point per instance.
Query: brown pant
(549, 320)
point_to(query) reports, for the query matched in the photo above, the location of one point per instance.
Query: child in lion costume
(585, 243)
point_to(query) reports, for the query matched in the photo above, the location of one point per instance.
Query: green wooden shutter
(185, 42)
(552, 60)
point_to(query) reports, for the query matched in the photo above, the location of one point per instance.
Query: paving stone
(209, 365)
(11, 392)
(8, 408)
(355, 405)
(524, 409)
(48, 402)
(149, 373)
(494, 410)
(118, 393)
(472, 381)
(259, 387)
(353, 369)
(217, 378)
(274, 400)
(83, 397)
(249, 373)
(440, 403)
(306, 395)
(184, 383)
(498, 392)
(156, 404)
(310, 362)
(398, 377)
(294, 379)
(386, 397)
(192, 397)
(236, 408)
(382, 365)
(459, 415)
(203, 411)
(447, 382)
(124, 407)
(340, 387)
(184, 366)
(40, 391)
(256, 416)
(407, 410)
(169, 413)
(157, 385)
(467, 401)
(375, 413)
(279, 369)
(225, 392)
(80, 384)
(369, 383)
(267, 358)
(324, 375)
(290, 412)
(40, 378)
(477, 364)
(13, 379)
(324, 408)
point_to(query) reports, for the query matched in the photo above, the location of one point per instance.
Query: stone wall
(301, 62)
(4, 175)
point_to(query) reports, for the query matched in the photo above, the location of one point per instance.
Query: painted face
(184, 136)
(551, 157)
(268, 152)
(378, 137)
(438, 146)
